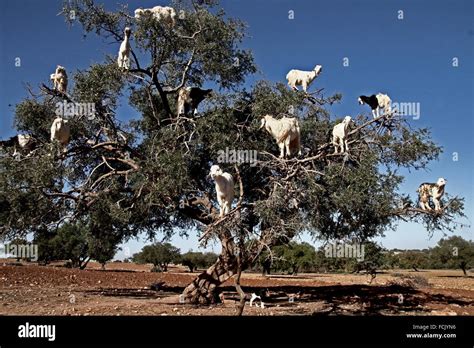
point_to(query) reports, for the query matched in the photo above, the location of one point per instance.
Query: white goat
(253, 298)
(59, 79)
(123, 59)
(286, 132)
(339, 135)
(164, 14)
(385, 103)
(224, 189)
(303, 78)
(60, 131)
(435, 191)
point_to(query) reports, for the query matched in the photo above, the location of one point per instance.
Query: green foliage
(158, 254)
(69, 242)
(294, 257)
(373, 259)
(102, 246)
(453, 252)
(78, 242)
(155, 181)
(415, 259)
(194, 260)
(450, 253)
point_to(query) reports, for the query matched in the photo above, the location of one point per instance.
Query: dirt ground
(129, 289)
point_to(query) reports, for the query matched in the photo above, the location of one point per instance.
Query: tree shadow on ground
(359, 299)
(114, 270)
(155, 290)
(295, 277)
(355, 299)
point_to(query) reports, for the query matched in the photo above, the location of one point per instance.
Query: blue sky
(410, 59)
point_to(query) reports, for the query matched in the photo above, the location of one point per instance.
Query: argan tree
(160, 255)
(68, 242)
(195, 259)
(453, 252)
(149, 174)
(416, 259)
(294, 257)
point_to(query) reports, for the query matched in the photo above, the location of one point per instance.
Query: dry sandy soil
(129, 289)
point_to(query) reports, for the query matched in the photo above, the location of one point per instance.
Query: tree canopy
(149, 174)
(158, 254)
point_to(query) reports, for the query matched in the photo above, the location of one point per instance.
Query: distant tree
(372, 259)
(321, 262)
(69, 242)
(295, 257)
(265, 262)
(454, 252)
(78, 242)
(158, 254)
(414, 259)
(390, 259)
(46, 253)
(194, 260)
(210, 259)
(102, 248)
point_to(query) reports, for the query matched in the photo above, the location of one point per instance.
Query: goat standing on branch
(435, 191)
(164, 14)
(60, 131)
(20, 142)
(286, 132)
(339, 136)
(377, 102)
(302, 78)
(123, 59)
(189, 98)
(59, 79)
(224, 189)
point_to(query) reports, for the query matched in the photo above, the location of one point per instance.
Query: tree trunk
(241, 293)
(230, 262)
(202, 289)
(266, 268)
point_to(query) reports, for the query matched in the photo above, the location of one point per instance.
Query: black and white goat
(433, 190)
(377, 102)
(21, 142)
(189, 98)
